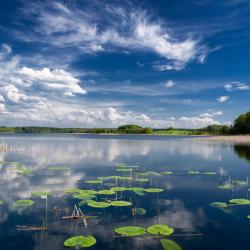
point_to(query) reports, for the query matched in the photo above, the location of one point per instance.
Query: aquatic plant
(106, 192)
(153, 190)
(80, 241)
(87, 191)
(209, 173)
(23, 170)
(193, 172)
(136, 189)
(142, 179)
(167, 172)
(130, 231)
(248, 216)
(169, 245)
(72, 190)
(1, 202)
(23, 203)
(239, 201)
(239, 182)
(98, 204)
(94, 181)
(226, 186)
(121, 203)
(160, 229)
(218, 204)
(57, 168)
(119, 189)
(41, 193)
(125, 169)
(141, 211)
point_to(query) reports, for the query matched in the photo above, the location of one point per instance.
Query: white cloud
(222, 99)
(169, 84)
(211, 114)
(108, 29)
(232, 86)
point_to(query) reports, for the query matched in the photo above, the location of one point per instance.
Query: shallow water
(184, 205)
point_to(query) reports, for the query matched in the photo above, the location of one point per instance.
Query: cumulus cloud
(222, 99)
(211, 114)
(232, 86)
(169, 84)
(109, 28)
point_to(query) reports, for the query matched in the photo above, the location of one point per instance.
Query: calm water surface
(184, 204)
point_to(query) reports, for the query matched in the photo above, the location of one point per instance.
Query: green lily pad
(193, 172)
(72, 190)
(167, 172)
(136, 189)
(41, 193)
(80, 241)
(23, 203)
(94, 181)
(169, 245)
(1, 202)
(58, 168)
(108, 184)
(130, 231)
(98, 204)
(209, 173)
(106, 192)
(87, 191)
(226, 186)
(153, 190)
(239, 182)
(119, 189)
(141, 211)
(124, 169)
(248, 216)
(23, 170)
(218, 204)
(161, 229)
(142, 179)
(121, 203)
(83, 203)
(240, 201)
(84, 196)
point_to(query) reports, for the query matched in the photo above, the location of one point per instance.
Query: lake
(165, 180)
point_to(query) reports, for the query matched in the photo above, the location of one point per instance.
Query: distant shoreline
(240, 139)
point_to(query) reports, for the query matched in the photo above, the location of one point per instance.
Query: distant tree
(242, 124)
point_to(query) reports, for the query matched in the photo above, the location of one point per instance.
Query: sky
(161, 63)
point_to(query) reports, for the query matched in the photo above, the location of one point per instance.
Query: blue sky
(107, 63)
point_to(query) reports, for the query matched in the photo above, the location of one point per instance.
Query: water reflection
(243, 151)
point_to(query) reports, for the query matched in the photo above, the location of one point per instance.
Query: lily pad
(72, 190)
(169, 245)
(218, 204)
(136, 189)
(41, 193)
(239, 182)
(153, 190)
(240, 201)
(248, 216)
(125, 169)
(226, 186)
(130, 231)
(209, 173)
(98, 204)
(24, 203)
(94, 181)
(106, 192)
(121, 203)
(141, 211)
(24, 170)
(1, 202)
(80, 241)
(58, 168)
(119, 189)
(87, 191)
(160, 229)
(167, 172)
(193, 172)
(142, 179)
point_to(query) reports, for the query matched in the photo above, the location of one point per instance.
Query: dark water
(184, 204)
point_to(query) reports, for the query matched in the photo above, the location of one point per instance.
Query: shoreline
(239, 139)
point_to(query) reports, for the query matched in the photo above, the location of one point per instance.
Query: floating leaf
(153, 190)
(218, 204)
(169, 245)
(125, 169)
(58, 168)
(193, 172)
(142, 179)
(248, 216)
(209, 173)
(24, 203)
(167, 173)
(130, 231)
(24, 170)
(106, 192)
(41, 193)
(72, 190)
(80, 241)
(98, 204)
(119, 189)
(83, 202)
(226, 186)
(87, 191)
(1, 202)
(161, 229)
(141, 211)
(136, 189)
(239, 182)
(94, 181)
(121, 203)
(240, 201)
